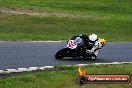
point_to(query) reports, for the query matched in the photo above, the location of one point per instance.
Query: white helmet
(93, 38)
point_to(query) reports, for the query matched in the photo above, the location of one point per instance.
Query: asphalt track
(29, 54)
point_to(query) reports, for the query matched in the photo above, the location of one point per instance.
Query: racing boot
(93, 57)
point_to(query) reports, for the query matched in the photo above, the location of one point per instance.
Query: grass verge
(66, 78)
(24, 27)
(109, 19)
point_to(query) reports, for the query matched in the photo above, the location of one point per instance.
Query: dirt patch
(31, 12)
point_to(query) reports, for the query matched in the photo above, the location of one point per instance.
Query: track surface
(30, 54)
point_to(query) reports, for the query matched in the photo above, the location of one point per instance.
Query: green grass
(66, 78)
(114, 6)
(110, 19)
(22, 27)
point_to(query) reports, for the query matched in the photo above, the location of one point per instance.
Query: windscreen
(78, 40)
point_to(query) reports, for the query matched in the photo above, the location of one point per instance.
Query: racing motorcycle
(75, 48)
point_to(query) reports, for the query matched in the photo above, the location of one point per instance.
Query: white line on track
(6, 71)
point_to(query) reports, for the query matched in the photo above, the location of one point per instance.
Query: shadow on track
(98, 60)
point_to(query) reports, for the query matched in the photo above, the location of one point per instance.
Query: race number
(71, 44)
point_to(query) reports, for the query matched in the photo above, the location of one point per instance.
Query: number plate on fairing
(71, 44)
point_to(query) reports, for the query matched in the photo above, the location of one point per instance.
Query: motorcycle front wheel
(61, 53)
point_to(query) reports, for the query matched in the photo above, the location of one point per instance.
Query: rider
(95, 44)
(92, 44)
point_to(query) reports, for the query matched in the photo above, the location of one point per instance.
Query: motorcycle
(75, 48)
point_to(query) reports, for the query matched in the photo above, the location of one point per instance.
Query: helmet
(93, 38)
(102, 41)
